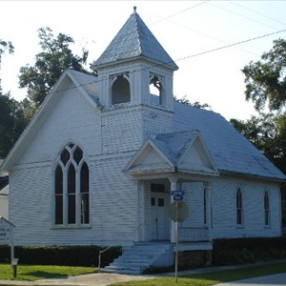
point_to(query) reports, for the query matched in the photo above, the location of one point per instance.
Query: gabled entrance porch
(166, 163)
(154, 219)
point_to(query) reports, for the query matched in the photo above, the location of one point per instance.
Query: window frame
(239, 207)
(65, 167)
(205, 205)
(266, 204)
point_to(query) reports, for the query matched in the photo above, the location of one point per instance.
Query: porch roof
(177, 152)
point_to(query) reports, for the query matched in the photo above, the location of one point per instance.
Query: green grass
(34, 272)
(210, 278)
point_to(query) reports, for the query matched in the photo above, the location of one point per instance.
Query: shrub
(60, 255)
(248, 250)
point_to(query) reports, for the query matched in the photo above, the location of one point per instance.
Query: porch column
(173, 187)
(141, 212)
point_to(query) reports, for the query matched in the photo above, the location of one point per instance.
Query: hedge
(60, 255)
(248, 250)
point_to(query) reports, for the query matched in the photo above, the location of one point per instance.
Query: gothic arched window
(266, 208)
(238, 207)
(120, 90)
(71, 190)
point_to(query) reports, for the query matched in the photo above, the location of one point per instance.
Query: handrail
(99, 256)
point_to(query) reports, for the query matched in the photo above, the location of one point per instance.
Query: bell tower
(135, 77)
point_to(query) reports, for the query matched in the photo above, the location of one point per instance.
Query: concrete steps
(136, 258)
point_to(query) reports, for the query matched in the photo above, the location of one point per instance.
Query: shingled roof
(230, 151)
(132, 41)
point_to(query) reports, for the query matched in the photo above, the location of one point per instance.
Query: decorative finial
(134, 8)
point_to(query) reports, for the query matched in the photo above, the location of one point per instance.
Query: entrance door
(160, 222)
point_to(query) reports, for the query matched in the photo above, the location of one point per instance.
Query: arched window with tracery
(71, 189)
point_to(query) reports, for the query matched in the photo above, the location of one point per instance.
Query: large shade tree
(5, 46)
(56, 56)
(266, 87)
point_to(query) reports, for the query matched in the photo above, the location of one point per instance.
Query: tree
(56, 56)
(266, 88)
(197, 104)
(12, 123)
(266, 79)
(4, 47)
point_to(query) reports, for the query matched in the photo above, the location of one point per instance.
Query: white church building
(99, 160)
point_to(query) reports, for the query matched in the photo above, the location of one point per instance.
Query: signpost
(6, 237)
(178, 212)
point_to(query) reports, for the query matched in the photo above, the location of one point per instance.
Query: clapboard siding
(223, 195)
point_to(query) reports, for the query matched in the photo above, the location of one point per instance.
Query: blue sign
(178, 195)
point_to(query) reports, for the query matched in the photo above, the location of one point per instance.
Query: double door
(160, 221)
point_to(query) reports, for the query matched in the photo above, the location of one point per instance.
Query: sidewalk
(104, 279)
(96, 279)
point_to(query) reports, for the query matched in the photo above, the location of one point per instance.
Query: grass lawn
(210, 278)
(34, 272)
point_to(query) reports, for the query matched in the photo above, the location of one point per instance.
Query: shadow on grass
(45, 275)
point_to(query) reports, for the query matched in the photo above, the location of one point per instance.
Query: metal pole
(99, 261)
(176, 240)
(12, 244)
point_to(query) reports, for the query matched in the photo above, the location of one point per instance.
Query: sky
(211, 41)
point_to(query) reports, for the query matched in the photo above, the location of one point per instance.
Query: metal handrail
(99, 256)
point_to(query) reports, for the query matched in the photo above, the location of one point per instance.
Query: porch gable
(172, 152)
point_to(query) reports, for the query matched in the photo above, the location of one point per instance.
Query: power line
(232, 45)
(194, 30)
(191, 56)
(179, 12)
(240, 15)
(258, 13)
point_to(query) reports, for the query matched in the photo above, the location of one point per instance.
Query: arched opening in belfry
(120, 90)
(156, 90)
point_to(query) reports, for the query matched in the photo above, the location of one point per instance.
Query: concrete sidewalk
(96, 279)
(104, 279)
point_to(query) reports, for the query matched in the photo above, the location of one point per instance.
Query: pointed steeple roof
(135, 40)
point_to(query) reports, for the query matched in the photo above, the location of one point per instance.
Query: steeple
(134, 41)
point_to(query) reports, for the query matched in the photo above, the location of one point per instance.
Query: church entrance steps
(136, 258)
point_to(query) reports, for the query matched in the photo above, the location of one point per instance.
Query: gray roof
(230, 151)
(132, 41)
(173, 145)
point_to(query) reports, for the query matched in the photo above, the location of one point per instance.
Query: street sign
(5, 231)
(178, 195)
(178, 211)
(6, 237)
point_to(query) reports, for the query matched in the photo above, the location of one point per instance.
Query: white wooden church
(97, 163)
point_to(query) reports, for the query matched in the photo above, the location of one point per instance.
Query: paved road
(270, 280)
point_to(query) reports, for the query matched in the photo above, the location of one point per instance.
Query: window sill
(73, 226)
(240, 226)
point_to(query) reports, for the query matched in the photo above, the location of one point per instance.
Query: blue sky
(186, 29)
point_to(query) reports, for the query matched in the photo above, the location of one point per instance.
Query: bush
(248, 250)
(60, 255)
